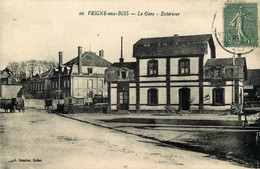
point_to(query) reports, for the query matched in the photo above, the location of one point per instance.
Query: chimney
(101, 53)
(121, 60)
(80, 60)
(60, 58)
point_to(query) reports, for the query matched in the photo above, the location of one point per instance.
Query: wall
(194, 61)
(39, 103)
(113, 96)
(95, 70)
(132, 96)
(161, 66)
(10, 91)
(83, 85)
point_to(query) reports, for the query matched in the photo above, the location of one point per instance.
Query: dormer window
(147, 45)
(218, 71)
(90, 70)
(123, 75)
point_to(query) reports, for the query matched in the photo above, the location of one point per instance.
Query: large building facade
(169, 71)
(83, 76)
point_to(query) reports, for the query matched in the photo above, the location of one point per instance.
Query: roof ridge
(177, 36)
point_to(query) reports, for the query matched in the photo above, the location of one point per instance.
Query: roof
(173, 45)
(89, 59)
(253, 77)
(129, 65)
(47, 73)
(175, 39)
(225, 62)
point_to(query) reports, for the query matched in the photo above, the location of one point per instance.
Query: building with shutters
(82, 76)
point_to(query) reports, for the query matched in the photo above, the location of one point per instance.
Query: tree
(14, 67)
(31, 65)
(23, 70)
(30, 68)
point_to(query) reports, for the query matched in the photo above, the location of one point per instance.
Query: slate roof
(253, 77)
(173, 45)
(225, 62)
(175, 39)
(89, 59)
(129, 65)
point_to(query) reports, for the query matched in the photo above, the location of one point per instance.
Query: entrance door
(184, 99)
(123, 100)
(123, 96)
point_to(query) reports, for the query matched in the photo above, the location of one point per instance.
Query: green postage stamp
(241, 25)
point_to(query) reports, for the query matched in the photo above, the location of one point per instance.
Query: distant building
(171, 71)
(83, 76)
(252, 85)
(9, 88)
(40, 85)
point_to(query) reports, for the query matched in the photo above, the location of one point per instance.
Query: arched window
(218, 96)
(152, 68)
(184, 66)
(152, 96)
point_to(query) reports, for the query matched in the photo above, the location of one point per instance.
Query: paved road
(37, 139)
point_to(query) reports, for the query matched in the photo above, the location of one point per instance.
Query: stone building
(82, 76)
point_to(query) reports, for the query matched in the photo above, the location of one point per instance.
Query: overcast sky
(40, 29)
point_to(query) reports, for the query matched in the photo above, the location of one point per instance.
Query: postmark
(241, 25)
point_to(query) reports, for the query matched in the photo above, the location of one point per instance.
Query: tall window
(152, 68)
(101, 84)
(184, 66)
(152, 96)
(90, 84)
(218, 96)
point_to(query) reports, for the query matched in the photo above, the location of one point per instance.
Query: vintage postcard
(120, 84)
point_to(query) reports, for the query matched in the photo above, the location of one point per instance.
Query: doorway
(123, 96)
(184, 99)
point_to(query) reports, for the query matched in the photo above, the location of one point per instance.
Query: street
(37, 139)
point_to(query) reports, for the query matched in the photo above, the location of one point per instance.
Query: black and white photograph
(120, 84)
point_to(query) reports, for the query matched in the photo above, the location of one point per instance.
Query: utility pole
(59, 74)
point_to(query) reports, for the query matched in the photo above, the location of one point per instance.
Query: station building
(177, 71)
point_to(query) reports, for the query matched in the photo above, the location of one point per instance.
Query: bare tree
(23, 70)
(14, 67)
(31, 66)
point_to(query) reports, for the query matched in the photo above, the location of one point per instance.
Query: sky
(39, 29)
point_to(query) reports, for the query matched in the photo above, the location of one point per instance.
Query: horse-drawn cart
(12, 104)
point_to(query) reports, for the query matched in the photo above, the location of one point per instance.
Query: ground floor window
(153, 96)
(218, 96)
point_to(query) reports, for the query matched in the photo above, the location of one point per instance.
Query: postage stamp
(241, 25)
